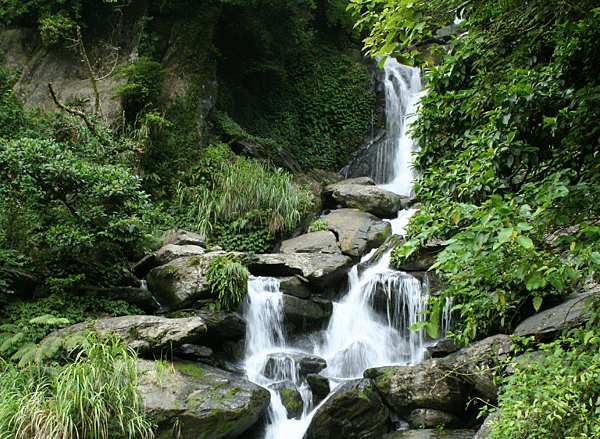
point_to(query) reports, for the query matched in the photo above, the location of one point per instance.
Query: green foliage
(318, 224)
(83, 207)
(228, 280)
(508, 161)
(11, 113)
(94, 396)
(555, 395)
(243, 201)
(25, 323)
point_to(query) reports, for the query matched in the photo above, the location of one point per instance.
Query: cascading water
(369, 325)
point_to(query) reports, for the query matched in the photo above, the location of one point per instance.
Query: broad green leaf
(524, 241)
(417, 326)
(537, 303)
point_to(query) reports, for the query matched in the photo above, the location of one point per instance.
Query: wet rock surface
(199, 401)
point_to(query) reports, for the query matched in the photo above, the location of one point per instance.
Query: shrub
(228, 280)
(95, 396)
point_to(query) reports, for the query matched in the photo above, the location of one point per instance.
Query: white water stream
(368, 326)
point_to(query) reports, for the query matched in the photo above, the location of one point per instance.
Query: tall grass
(94, 397)
(245, 190)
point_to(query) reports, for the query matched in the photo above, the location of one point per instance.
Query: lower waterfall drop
(369, 325)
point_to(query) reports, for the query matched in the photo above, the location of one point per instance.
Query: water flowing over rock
(198, 401)
(354, 411)
(357, 231)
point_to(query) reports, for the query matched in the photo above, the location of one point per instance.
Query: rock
(200, 401)
(441, 348)
(182, 237)
(149, 335)
(305, 315)
(548, 324)
(429, 418)
(390, 243)
(278, 155)
(430, 434)
(193, 352)
(357, 231)
(221, 325)
(281, 365)
(486, 428)
(144, 265)
(319, 387)
(169, 252)
(320, 270)
(314, 180)
(322, 241)
(427, 385)
(294, 286)
(182, 281)
(354, 411)
(361, 193)
(290, 398)
(139, 297)
(476, 362)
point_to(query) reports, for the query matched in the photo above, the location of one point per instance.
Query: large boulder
(361, 193)
(354, 411)
(291, 398)
(436, 433)
(478, 361)
(182, 281)
(427, 385)
(170, 252)
(322, 241)
(357, 231)
(548, 324)
(221, 325)
(149, 335)
(182, 237)
(305, 315)
(199, 402)
(320, 270)
(294, 286)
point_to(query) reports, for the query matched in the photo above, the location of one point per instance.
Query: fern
(228, 280)
(49, 319)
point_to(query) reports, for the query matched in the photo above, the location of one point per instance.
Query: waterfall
(369, 325)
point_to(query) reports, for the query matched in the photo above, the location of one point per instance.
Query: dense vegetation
(83, 196)
(509, 181)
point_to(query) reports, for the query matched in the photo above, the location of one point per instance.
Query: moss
(190, 369)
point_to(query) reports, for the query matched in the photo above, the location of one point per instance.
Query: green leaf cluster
(508, 159)
(95, 395)
(228, 280)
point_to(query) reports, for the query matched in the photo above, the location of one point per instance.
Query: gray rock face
(321, 270)
(476, 362)
(428, 385)
(201, 401)
(431, 434)
(322, 241)
(293, 286)
(182, 237)
(548, 324)
(182, 281)
(354, 411)
(357, 231)
(169, 252)
(361, 193)
(319, 387)
(305, 315)
(290, 398)
(429, 418)
(146, 334)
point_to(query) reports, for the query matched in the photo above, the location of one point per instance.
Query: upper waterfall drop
(403, 89)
